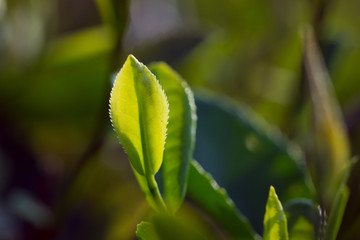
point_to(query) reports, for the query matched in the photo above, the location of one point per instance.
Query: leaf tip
(272, 190)
(273, 195)
(132, 58)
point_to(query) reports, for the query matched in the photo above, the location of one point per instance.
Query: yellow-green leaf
(180, 140)
(139, 113)
(275, 224)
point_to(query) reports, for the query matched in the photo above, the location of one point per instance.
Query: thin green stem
(154, 190)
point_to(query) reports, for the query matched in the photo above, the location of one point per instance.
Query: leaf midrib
(143, 133)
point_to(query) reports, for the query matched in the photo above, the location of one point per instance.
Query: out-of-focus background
(63, 173)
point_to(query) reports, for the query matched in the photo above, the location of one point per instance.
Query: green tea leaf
(180, 139)
(275, 224)
(203, 189)
(139, 112)
(146, 231)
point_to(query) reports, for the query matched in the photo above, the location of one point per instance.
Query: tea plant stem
(154, 190)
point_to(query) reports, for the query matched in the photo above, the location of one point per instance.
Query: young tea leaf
(180, 139)
(139, 112)
(275, 224)
(203, 189)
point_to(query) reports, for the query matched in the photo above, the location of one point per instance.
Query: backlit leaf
(275, 224)
(139, 112)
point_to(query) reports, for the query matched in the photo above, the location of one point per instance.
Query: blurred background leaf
(303, 219)
(145, 231)
(328, 145)
(236, 145)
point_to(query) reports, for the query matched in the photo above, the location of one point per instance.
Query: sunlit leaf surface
(139, 112)
(275, 224)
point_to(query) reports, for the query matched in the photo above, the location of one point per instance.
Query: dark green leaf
(203, 189)
(245, 155)
(180, 138)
